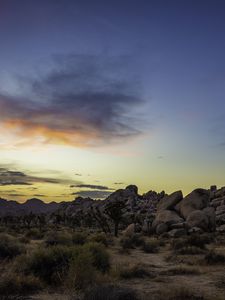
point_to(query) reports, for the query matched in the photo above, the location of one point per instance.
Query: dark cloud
(83, 100)
(9, 177)
(39, 195)
(118, 183)
(98, 194)
(91, 186)
(77, 174)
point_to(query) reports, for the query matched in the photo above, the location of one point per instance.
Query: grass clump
(178, 293)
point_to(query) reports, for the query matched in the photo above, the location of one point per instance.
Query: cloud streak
(84, 100)
(91, 186)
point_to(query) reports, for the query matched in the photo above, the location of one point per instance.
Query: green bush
(10, 247)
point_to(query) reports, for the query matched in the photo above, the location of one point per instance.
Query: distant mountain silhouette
(34, 205)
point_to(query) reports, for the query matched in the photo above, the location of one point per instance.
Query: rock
(198, 219)
(220, 212)
(221, 207)
(175, 233)
(195, 230)
(220, 193)
(215, 202)
(210, 213)
(168, 202)
(220, 218)
(161, 228)
(178, 225)
(130, 230)
(196, 200)
(221, 228)
(166, 216)
(213, 188)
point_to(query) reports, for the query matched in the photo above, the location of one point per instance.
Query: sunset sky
(96, 95)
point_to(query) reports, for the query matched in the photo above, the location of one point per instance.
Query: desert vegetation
(115, 249)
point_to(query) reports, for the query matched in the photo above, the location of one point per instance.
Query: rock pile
(218, 203)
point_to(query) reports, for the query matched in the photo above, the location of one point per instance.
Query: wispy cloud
(91, 186)
(84, 100)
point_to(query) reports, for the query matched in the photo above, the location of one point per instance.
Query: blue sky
(136, 88)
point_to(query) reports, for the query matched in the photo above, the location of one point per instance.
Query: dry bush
(34, 234)
(181, 270)
(178, 293)
(151, 246)
(129, 271)
(15, 284)
(110, 292)
(213, 257)
(130, 242)
(79, 238)
(100, 238)
(55, 238)
(10, 247)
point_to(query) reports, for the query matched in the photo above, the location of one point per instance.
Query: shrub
(133, 271)
(34, 234)
(10, 247)
(189, 250)
(99, 238)
(178, 293)
(214, 258)
(101, 258)
(110, 292)
(58, 238)
(130, 242)
(81, 271)
(50, 265)
(79, 238)
(151, 246)
(15, 284)
(181, 270)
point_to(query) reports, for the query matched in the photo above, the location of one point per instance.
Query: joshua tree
(115, 211)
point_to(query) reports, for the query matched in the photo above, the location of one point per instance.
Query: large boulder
(162, 228)
(168, 217)
(176, 233)
(170, 201)
(198, 219)
(196, 200)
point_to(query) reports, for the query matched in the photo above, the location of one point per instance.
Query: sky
(97, 95)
